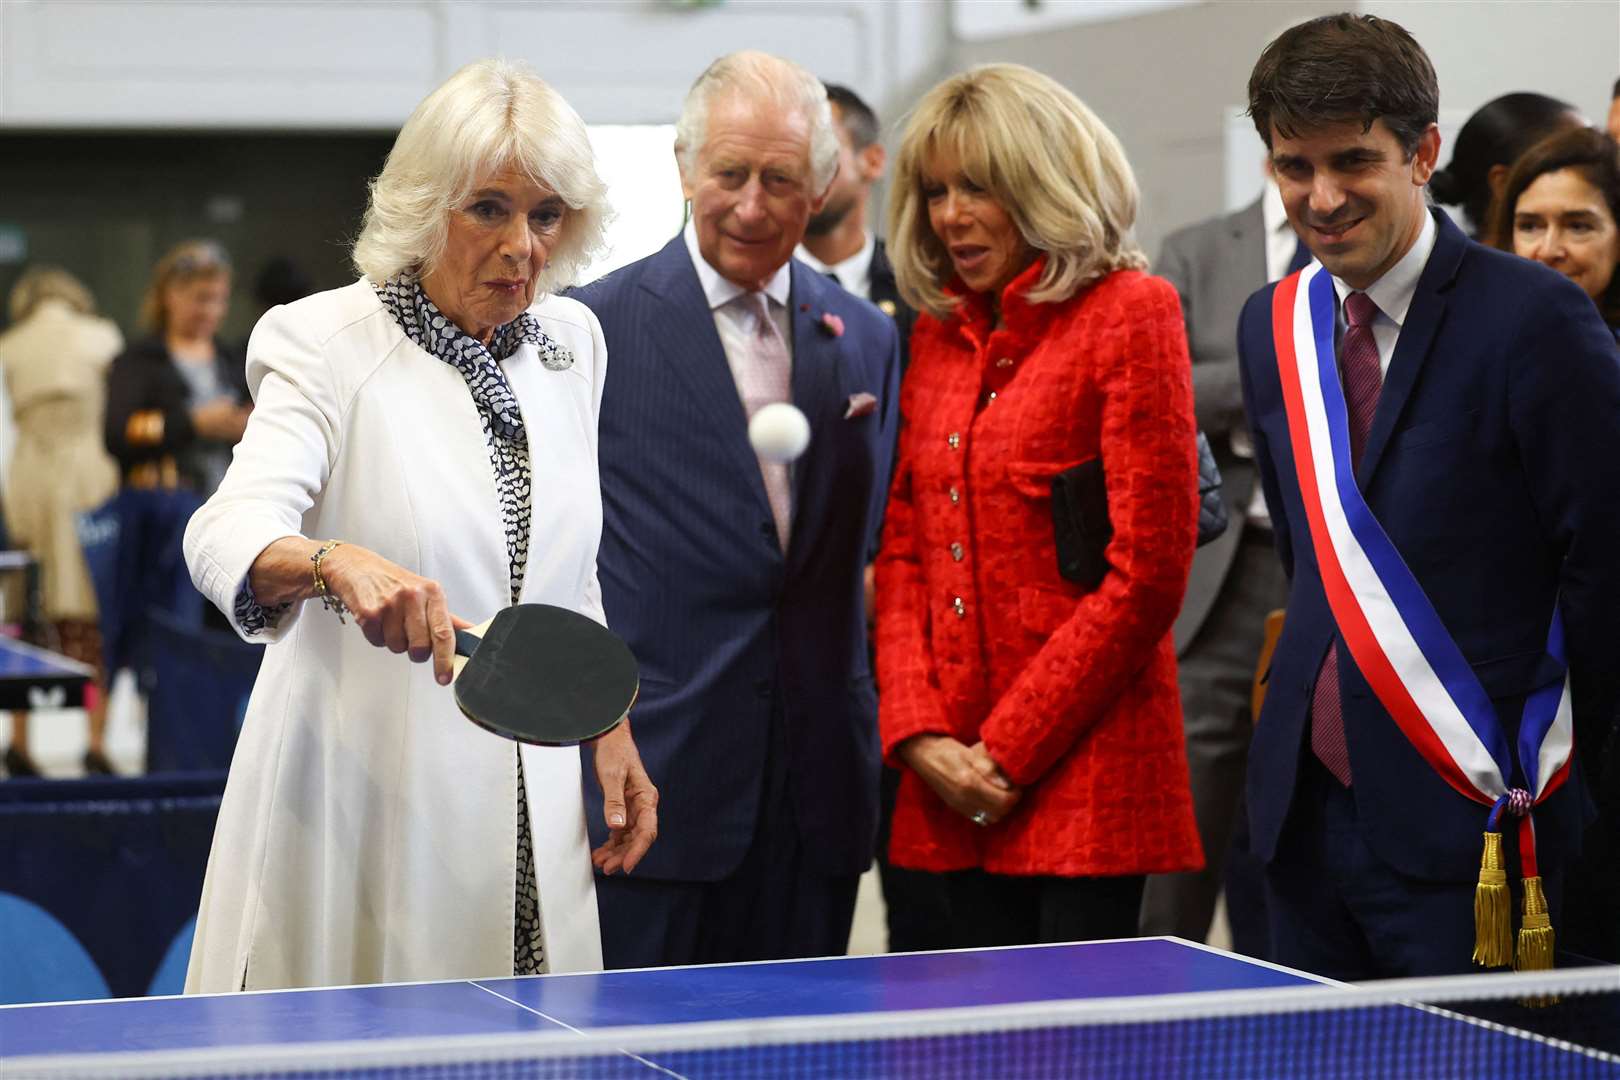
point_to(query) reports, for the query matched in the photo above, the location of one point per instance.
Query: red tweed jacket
(979, 637)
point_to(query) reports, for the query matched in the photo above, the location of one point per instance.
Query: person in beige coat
(423, 442)
(54, 359)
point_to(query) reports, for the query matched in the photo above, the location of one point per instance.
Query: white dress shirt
(1394, 291)
(735, 321)
(1281, 239)
(854, 273)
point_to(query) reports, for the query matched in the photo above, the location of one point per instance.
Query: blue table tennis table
(610, 1011)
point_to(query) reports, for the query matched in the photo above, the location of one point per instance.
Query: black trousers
(1000, 909)
(916, 903)
(1340, 911)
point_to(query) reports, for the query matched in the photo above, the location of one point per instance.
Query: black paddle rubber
(546, 675)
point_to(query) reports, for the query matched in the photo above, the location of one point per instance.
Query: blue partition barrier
(196, 681)
(99, 883)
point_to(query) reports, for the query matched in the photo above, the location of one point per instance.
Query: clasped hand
(966, 777)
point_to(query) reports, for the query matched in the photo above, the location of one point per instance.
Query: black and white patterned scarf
(480, 367)
(508, 443)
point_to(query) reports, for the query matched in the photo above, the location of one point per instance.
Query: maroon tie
(1363, 378)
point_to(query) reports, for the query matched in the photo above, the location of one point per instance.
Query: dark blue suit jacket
(1494, 466)
(726, 627)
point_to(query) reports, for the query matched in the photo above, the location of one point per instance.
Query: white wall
(348, 64)
(1163, 73)
(1168, 82)
(1569, 49)
(978, 20)
(1163, 81)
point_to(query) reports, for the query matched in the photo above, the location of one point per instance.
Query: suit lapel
(1412, 348)
(1249, 242)
(815, 363)
(683, 330)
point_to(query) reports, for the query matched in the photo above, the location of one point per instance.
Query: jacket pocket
(1428, 433)
(1034, 478)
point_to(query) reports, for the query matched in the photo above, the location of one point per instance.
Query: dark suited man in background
(1479, 402)
(737, 581)
(837, 241)
(839, 244)
(1236, 580)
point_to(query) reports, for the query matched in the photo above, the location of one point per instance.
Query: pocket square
(860, 405)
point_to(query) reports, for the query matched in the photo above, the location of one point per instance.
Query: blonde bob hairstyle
(489, 116)
(44, 282)
(186, 262)
(1042, 156)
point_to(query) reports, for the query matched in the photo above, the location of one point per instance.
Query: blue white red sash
(1392, 631)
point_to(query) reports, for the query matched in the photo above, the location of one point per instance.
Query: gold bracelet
(329, 600)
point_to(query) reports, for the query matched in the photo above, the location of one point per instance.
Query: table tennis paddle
(544, 675)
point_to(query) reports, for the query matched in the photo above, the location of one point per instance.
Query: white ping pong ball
(779, 432)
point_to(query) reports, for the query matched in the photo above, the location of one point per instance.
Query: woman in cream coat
(423, 443)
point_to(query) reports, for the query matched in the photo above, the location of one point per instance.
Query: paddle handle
(466, 643)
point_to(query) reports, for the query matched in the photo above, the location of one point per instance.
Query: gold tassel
(1535, 932)
(1535, 940)
(1493, 908)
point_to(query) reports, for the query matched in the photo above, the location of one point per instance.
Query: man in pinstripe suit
(737, 582)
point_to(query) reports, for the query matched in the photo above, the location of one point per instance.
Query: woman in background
(177, 402)
(55, 359)
(1560, 206)
(1037, 720)
(1490, 142)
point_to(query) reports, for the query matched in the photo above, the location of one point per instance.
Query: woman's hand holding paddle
(393, 607)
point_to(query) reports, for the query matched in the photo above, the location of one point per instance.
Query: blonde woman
(1036, 720)
(423, 442)
(55, 359)
(176, 400)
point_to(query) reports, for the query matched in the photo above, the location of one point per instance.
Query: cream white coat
(368, 831)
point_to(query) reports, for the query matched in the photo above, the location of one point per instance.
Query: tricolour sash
(1396, 638)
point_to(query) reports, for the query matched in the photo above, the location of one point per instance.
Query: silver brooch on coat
(554, 356)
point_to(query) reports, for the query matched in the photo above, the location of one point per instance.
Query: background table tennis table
(569, 1005)
(36, 678)
(32, 677)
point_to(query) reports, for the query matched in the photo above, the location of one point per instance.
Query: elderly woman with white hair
(423, 442)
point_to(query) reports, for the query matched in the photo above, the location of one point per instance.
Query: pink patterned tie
(1363, 378)
(768, 379)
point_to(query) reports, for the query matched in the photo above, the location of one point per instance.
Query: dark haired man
(1614, 110)
(1437, 516)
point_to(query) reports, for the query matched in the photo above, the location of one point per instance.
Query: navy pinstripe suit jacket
(724, 624)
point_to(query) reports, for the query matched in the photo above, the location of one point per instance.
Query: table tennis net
(1528, 1026)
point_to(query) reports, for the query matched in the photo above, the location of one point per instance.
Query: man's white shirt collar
(854, 273)
(1272, 213)
(1281, 240)
(1394, 291)
(719, 290)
